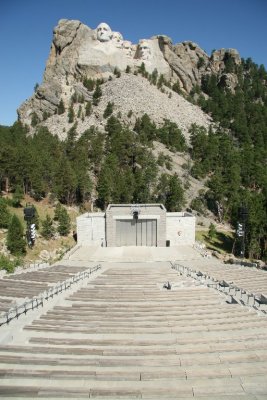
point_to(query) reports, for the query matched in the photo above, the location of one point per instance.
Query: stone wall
(99, 229)
(180, 228)
(91, 229)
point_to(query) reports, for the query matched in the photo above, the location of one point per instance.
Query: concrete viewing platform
(120, 334)
(134, 253)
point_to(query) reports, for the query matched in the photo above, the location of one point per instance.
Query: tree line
(120, 160)
(234, 156)
(117, 164)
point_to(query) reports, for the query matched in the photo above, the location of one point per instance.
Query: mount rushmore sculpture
(78, 52)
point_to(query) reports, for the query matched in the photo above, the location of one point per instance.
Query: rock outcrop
(133, 95)
(79, 52)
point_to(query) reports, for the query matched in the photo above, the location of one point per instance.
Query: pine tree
(17, 196)
(5, 216)
(65, 181)
(105, 183)
(108, 110)
(142, 69)
(89, 84)
(79, 112)
(176, 87)
(154, 76)
(35, 119)
(47, 228)
(15, 241)
(175, 195)
(96, 95)
(88, 108)
(58, 210)
(71, 114)
(61, 107)
(64, 222)
(212, 231)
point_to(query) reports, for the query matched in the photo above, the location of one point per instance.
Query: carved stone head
(144, 50)
(117, 36)
(127, 47)
(117, 39)
(103, 32)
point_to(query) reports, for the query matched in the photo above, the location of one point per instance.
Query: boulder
(44, 255)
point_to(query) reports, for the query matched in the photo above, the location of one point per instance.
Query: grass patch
(59, 245)
(56, 245)
(222, 241)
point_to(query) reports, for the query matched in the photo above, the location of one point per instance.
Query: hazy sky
(26, 30)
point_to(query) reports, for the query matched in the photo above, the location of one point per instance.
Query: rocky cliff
(79, 53)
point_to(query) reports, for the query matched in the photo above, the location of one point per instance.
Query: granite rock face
(78, 52)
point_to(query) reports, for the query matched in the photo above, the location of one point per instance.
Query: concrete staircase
(15, 288)
(124, 336)
(250, 279)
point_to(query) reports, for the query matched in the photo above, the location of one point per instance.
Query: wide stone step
(149, 330)
(176, 313)
(142, 389)
(74, 319)
(123, 336)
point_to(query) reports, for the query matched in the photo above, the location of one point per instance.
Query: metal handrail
(223, 286)
(36, 301)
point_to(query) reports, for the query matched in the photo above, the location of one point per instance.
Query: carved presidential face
(127, 47)
(117, 39)
(144, 50)
(103, 32)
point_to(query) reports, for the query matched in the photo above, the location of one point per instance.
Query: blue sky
(26, 30)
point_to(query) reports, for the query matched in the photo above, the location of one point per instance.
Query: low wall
(180, 228)
(91, 229)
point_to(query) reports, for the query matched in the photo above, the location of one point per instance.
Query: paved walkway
(135, 254)
(249, 279)
(123, 336)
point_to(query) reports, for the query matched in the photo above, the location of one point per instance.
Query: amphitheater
(101, 324)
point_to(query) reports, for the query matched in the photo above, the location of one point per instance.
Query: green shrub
(198, 205)
(7, 264)
(88, 108)
(16, 243)
(47, 228)
(61, 107)
(109, 110)
(71, 114)
(96, 95)
(5, 215)
(17, 196)
(64, 222)
(89, 84)
(35, 119)
(212, 231)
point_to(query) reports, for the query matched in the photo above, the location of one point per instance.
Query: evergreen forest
(117, 165)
